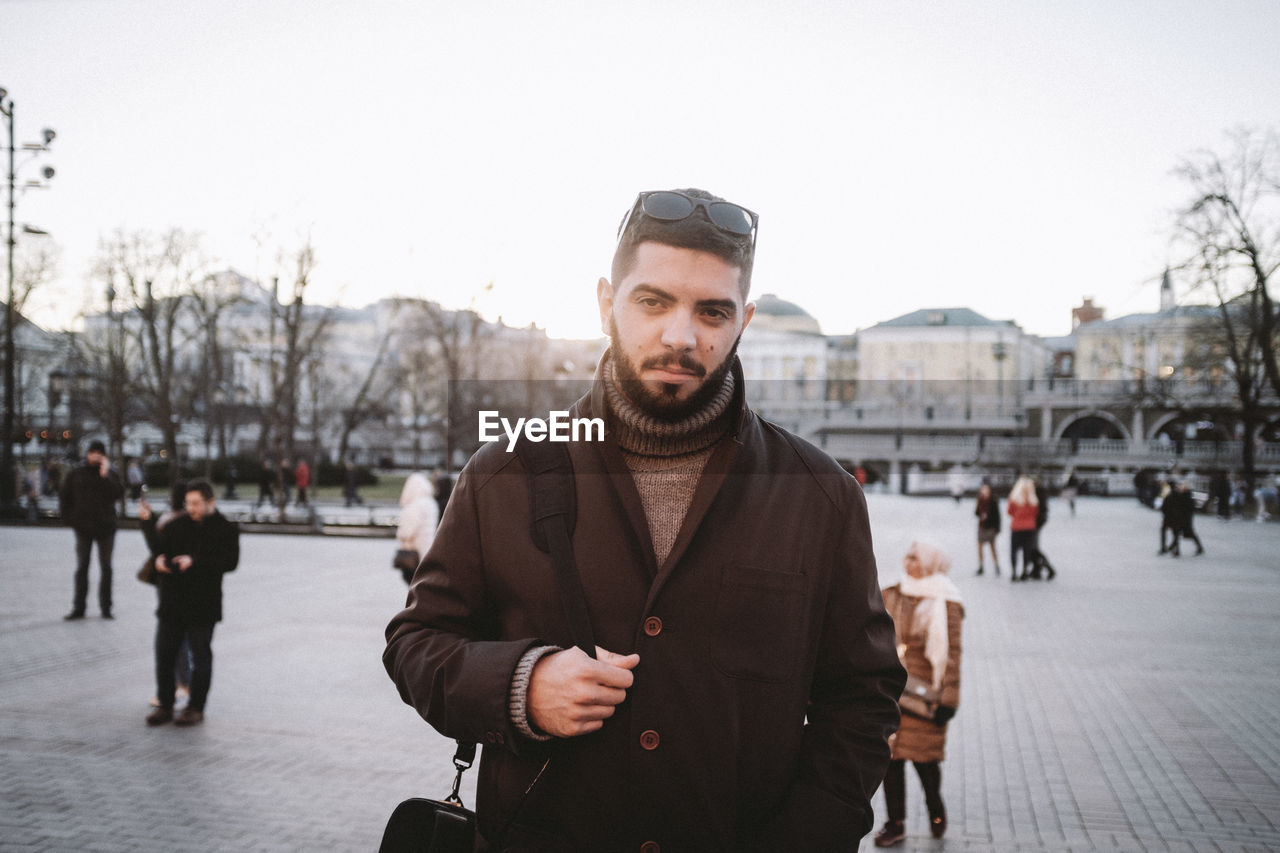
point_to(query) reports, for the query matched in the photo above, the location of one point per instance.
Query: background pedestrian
(927, 611)
(418, 519)
(988, 513)
(88, 505)
(302, 479)
(1024, 508)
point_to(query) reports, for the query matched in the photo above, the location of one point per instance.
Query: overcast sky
(1011, 157)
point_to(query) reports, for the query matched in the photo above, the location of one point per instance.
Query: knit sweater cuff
(518, 696)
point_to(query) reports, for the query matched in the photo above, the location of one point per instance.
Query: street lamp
(8, 496)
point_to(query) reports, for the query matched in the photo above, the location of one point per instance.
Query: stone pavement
(1131, 704)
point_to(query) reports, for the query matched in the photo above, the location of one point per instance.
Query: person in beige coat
(418, 518)
(927, 611)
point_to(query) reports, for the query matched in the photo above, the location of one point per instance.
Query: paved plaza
(1131, 704)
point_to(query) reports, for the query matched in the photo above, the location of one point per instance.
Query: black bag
(446, 826)
(434, 826)
(406, 558)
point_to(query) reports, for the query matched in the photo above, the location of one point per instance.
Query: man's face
(673, 322)
(94, 458)
(197, 507)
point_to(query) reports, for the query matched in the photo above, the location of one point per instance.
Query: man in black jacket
(88, 506)
(195, 551)
(746, 677)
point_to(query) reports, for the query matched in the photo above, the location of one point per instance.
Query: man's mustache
(683, 361)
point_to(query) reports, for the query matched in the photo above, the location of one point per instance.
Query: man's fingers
(600, 695)
(615, 659)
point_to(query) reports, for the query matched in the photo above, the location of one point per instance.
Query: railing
(1093, 452)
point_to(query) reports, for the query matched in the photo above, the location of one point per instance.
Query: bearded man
(746, 677)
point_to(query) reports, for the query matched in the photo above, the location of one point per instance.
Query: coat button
(650, 847)
(653, 626)
(649, 740)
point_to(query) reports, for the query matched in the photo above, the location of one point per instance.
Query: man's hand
(104, 466)
(162, 565)
(182, 562)
(144, 509)
(570, 694)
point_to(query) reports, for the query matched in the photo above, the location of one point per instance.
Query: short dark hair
(695, 231)
(201, 485)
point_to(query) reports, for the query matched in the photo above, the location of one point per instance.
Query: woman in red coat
(1024, 508)
(927, 610)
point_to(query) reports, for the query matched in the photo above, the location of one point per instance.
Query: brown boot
(189, 717)
(159, 716)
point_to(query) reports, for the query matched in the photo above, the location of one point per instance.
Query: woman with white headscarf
(927, 610)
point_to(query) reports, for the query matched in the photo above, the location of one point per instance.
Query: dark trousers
(169, 636)
(106, 542)
(1188, 531)
(1024, 541)
(895, 787)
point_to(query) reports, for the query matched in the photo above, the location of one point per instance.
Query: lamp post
(8, 497)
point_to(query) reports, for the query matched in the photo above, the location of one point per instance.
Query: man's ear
(604, 298)
(748, 311)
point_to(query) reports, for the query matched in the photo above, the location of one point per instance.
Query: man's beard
(663, 404)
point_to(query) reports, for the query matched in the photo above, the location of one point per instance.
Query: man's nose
(680, 332)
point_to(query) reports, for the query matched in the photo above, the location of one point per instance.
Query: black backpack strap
(554, 512)
(554, 506)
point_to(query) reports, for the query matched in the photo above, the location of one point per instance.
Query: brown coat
(767, 681)
(917, 739)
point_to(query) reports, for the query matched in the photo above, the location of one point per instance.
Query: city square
(305, 262)
(1129, 704)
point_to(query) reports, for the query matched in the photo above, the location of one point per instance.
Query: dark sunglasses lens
(669, 206)
(730, 217)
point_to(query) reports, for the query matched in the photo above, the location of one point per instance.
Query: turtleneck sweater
(665, 458)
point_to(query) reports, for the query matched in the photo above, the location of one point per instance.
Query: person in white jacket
(418, 518)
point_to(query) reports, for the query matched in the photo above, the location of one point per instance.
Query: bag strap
(554, 513)
(463, 757)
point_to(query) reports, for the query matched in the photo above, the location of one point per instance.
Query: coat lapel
(709, 485)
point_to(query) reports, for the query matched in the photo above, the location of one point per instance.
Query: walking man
(746, 677)
(194, 552)
(88, 505)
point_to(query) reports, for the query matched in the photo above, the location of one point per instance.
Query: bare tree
(212, 297)
(157, 274)
(35, 264)
(363, 406)
(1229, 232)
(451, 345)
(295, 333)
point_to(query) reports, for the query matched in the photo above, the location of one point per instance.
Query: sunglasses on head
(672, 206)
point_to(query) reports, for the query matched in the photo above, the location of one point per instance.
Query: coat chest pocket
(759, 623)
